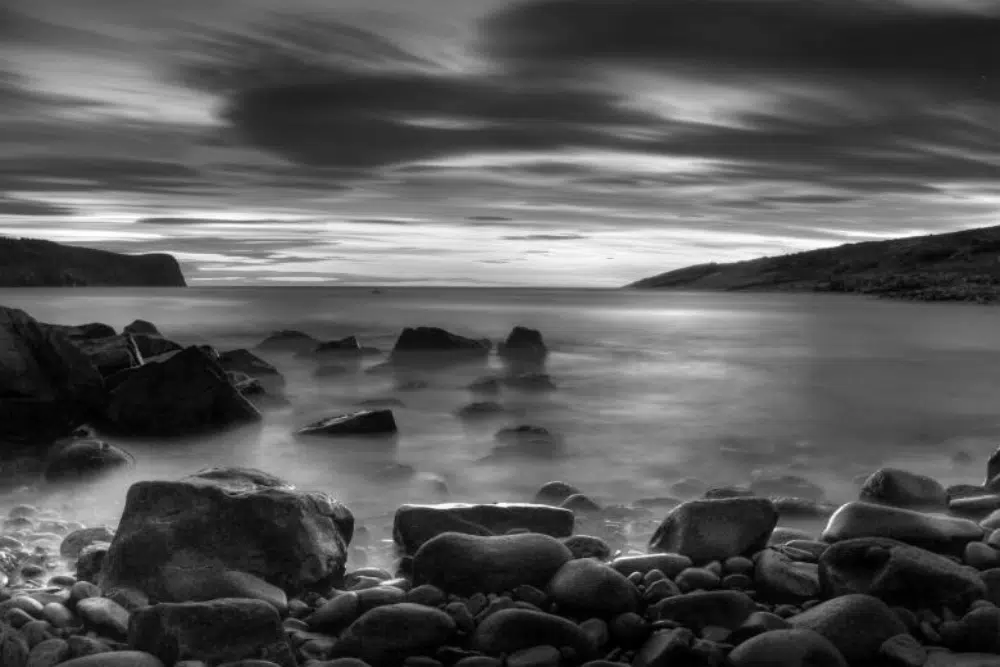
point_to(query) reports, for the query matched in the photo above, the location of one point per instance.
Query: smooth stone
(48, 653)
(707, 530)
(512, 630)
(977, 631)
(536, 656)
(336, 614)
(695, 578)
(981, 556)
(359, 423)
(466, 564)
(104, 614)
(587, 587)
(81, 646)
(78, 540)
(904, 650)
(787, 648)
(897, 573)
(414, 525)
(758, 623)
(427, 595)
(725, 609)
(783, 534)
(935, 532)
(588, 546)
(857, 625)
(667, 647)
(554, 493)
(90, 561)
(670, 564)
(115, 659)
(379, 596)
(58, 615)
(14, 648)
(901, 488)
(214, 631)
(388, 635)
(198, 585)
(991, 522)
(975, 507)
(780, 579)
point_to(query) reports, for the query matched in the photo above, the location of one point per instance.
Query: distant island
(35, 263)
(957, 266)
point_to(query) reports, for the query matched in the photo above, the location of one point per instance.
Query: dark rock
(431, 345)
(85, 459)
(510, 630)
(857, 625)
(726, 492)
(74, 543)
(14, 649)
(112, 354)
(992, 467)
(930, 531)
(288, 340)
(901, 488)
(792, 508)
(579, 503)
(467, 564)
(348, 347)
(523, 345)
(897, 573)
(966, 490)
(530, 382)
(526, 440)
(787, 486)
(975, 507)
(707, 530)
(724, 609)
(588, 588)
(336, 613)
(666, 648)
(783, 534)
(115, 659)
(697, 578)
(245, 361)
(388, 635)
(85, 331)
(554, 493)
(757, 623)
(414, 525)
(227, 518)
(188, 393)
(198, 585)
(141, 327)
(106, 616)
(49, 653)
(991, 522)
(780, 579)
(981, 556)
(587, 546)
(669, 564)
(489, 386)
(978, 631)
(214, 632)
(787, 648)
(481, 410)
(91, 560)
(363, 422)
(48, 386)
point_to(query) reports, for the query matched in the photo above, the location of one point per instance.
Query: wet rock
(115, 353)
(857, 625)
(434, 346)
(216, 631)
(897, 573)
(579, 503)
(554, 493)
(116, 659)
(904, 650)
(901, 488)
(515, 629)
(49, 386)
(49, 653)
(229, 518)
(757, 623)
(413, 525)
(85, 459)
(977, 631)
(390, 634)
(697, 578)
(587, 546)
(707, 530)
(787, 648)
(343, 348)
(14, 649)
(725, 492)
(991, 522)
(981, 556)
(336, 613)
(787, 486)
(91, 560)
(106, 616)
(975, 507)
(791, 508)
(201, 584)
(523, 345)
(784, 534)
(466, 564)
(288, 340)
(188, 393)
(724, 609)
(363, 422)
(667, 647)
(780, 579)
(588, 588)
(929, 531)
(669, 564)
(245, 361)
(74, 543)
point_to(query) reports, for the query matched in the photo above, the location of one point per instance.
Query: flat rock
(232, 519)
(935, 532)
(214, 632)
(362, 422)
(467, 564)
(902, 488)
(707, 530)
(787, 648)
(387, 635)
(975, 507)
(588, 588)
(510, 630)
(857, 625)
(413, 525)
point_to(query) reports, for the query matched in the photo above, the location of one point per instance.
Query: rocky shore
(235, 566)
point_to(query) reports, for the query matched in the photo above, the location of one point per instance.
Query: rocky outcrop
(47, 386)
(185, 394)
(226, 519)
(111, 354)
(431, 345)
(245, 361)
(35, 263)
(523, 346)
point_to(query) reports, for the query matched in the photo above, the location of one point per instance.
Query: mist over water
(652, 387)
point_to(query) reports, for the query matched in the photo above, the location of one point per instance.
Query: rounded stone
(587, 546)
(787, 648)
(670, 564)
(981, 556)
(901, 488)
(536, 656)
(49, 653)
(857, 625)
(515, 629)
(391, 633)
(695, 578)
(585, 586)
(115, 659)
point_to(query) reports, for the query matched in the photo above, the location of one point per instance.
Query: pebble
(376, 637)
(981, 556)
(104, 615)
(696, 578)
(787, 648)
(49, 653)
(901, 488)
(903, 650)
(935, 532)
(59, 616)
(585, 586)
(336, 614)
(427, 595)
(727, 609)
(780, 579)
(515, 629)
(536, 656)
(588, 546)
(857, 625)
(670, 564)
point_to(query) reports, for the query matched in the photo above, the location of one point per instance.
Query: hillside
(33, 263)
(958, 266)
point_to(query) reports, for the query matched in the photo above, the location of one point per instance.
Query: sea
(653, 387)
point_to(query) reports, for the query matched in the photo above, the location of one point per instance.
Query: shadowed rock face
(33, 263)
(227, 519)
(434, 346)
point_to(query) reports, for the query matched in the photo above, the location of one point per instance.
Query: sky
(493, 142)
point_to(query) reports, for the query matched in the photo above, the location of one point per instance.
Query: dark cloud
(28, 207)
(168, 221)
(381, 221)
(545, 237)
(489, 218)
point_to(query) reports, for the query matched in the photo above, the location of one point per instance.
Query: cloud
(546, 237)
(26, 207)
(489, 218)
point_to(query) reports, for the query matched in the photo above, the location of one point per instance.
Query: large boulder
(214, 632)
(413, 525)
(707, 530)
(245, 361)
(935, 532)
(523, 345)
(362, 422)
(47, 386)
(436, 346)
(469, 564)
(85, 459)
(897, 573)
(227, 519)
(111, 354)
(857, 625)
(901, 488)
(185, 394)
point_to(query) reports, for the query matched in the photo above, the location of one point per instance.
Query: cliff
(32, 263)
(958, 266)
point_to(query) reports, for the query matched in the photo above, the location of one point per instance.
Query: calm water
(653, 387)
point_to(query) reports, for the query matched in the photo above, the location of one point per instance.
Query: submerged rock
(343, 348)
(85, 459)
(141, 327)
(554, 493)
(288, 340)
(529, 441)
(523, 345)
(227, 518)
(186, 394)
(363, 422)
(707, 530)
(245, 361)
(431, 345)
